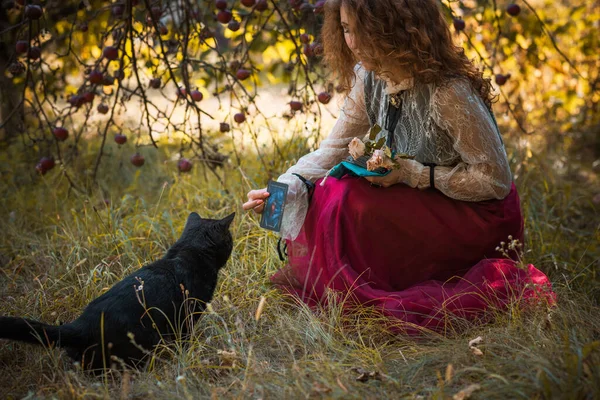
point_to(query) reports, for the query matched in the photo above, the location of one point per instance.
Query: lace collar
(393, 88)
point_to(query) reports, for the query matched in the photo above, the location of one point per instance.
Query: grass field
(59, 249)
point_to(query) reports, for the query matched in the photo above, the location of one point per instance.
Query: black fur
(191, 264)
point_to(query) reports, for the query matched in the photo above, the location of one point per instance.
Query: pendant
(395, 100)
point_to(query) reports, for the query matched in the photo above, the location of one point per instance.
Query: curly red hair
(413, 34)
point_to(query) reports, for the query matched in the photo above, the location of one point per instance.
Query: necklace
(395, 99)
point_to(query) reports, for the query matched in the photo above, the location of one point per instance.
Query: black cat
(145, 307)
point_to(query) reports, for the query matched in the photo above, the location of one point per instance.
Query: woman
(423, 239)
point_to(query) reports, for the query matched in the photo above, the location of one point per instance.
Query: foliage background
(72, 232)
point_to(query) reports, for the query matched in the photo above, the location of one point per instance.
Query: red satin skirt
(422, 258)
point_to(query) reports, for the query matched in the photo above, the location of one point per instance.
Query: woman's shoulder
(453, 84)
(452, 89)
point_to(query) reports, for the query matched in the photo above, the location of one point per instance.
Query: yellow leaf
(466, 392)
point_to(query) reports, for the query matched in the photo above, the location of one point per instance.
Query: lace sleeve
(483, 172)
(353, 122)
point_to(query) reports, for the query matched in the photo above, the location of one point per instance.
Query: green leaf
(374, 131)
(380, 143)
(387, 151)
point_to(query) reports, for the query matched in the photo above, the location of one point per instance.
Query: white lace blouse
(447, 124)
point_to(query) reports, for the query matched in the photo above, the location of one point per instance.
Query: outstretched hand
(256, 200)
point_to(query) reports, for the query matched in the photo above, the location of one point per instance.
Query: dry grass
(60, 249)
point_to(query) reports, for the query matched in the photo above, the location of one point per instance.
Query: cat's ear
(192, 222)
(226, 222)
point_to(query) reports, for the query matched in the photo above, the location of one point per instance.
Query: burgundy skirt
(417, 255)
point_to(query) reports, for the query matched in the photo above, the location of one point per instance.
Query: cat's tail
(30, 331)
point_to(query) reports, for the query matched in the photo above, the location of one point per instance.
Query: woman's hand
(390, 179)
(256, 200)
(408, 172)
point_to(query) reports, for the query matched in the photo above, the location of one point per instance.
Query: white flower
(379, 159)
(357, 148)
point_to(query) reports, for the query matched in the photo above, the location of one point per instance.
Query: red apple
(121, 139)
(33, 11)
(224, 127)
(319, 7)
(102, 108)
(224, 16)
(117, 10)
(221, 4)
(459, 24)
(501, 79)
(513, 9)
(16, 68)
(45, 164)
(317, 49)
(88, 97)
(155, 83)
(108, 80)
(296, 4)
(304, 38)
(75, 100)
(262, 5)
(295, 105)
(248, 3)
(233, 25)
(22, 46)
(324, 97)
(239, 117)
(181, 92)
(34, 53)
(156, 11)
(137, 159)
(96, 77)
(196, 95)
(308, 50)
(60, 133)
(184, 165)
(242, 74)
(110, 53)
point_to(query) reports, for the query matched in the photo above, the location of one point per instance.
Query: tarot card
(273, 212)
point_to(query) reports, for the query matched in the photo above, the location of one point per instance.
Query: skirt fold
(418, 256)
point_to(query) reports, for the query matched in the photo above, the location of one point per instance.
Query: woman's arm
(483, 172)
(353, 122)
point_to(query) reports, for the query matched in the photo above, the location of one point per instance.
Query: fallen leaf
(466, 392)
(364, 375)
(318, 387)
(228, 358)
(476, 351)
(475, 341)
(259, 309)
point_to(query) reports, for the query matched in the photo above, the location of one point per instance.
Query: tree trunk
(11, 120)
